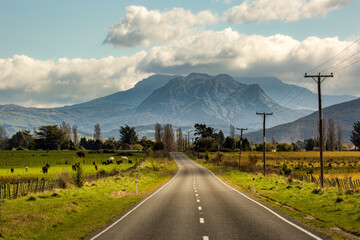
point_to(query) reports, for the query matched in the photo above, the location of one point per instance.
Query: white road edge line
(282, 218)
(116, 222)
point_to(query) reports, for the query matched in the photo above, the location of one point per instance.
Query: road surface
(195, 204)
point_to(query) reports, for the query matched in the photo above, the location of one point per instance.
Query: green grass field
(337, 164)
(75, 213)
(60, 161)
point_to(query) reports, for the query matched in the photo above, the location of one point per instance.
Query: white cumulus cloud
(141, 26)
(31, 82)
(282, 10)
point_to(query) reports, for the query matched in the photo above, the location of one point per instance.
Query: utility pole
(319, 79)
(264, 114)
(241, 133)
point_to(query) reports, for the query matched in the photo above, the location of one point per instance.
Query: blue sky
(55, 53)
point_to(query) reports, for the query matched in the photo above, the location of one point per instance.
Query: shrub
(220, 157)
(32, 198)
(339, 200)
(63, 179)
(79, 175)
(317, 191)
(285, 169)
(206, 156)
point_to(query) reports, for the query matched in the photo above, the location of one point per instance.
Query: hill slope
(344, 114)
(304, 98)
(211, 100)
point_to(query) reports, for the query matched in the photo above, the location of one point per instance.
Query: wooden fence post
(17, 189)
(37, 185)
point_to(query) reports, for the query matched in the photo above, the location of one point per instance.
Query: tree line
(65, 136)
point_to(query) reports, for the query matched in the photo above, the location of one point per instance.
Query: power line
(337, 70)
(334, 56)
(335, 65)
(322, 64)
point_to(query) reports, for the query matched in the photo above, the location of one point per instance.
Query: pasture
(336, 164)
(60, 161)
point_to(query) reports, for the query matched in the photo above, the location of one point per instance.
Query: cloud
(142, 27)
(31, 82)
(282, 10)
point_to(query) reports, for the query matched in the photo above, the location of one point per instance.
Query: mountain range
(345, 114)
(293, 96)
(182, 101)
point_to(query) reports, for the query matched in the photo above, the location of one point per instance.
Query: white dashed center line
(200, 208)
(196, 194)
(205, 238)
(202, 220)
(198, 200)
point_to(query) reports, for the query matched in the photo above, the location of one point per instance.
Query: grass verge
(76, 213)
(331, 211)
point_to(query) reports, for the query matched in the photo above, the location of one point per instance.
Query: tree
(128, 135)
(35, 135)
(355, 134)
(339, 137)
(309, 144)
(75, 134)
(3, 133)
(229, 142)
(168, 138)
(146, 143)
(66, 128)
(22, 139)
(97, 132)
(331, 135)
(50, 137)
(158, 132)
(221, 138)
(179, 139)
(273, 140)
(284, 147)
(3, 138)
(232, 131)
(245, 144)
(203, 131)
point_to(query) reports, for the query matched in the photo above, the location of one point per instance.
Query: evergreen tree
(355, 134)
(128, 135)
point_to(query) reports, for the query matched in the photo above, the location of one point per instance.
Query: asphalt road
(195, 204)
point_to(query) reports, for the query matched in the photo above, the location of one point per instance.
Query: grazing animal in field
(124, 159)
(44, 169)
(110, 160)
(130, 161)
(96, 167)
(104, 163)
(94, 163)
(118, 161)
(12, 170)
(26, 169)
(80, 154)
(47, 165)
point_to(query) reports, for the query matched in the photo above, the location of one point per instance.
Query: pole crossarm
(319, 78)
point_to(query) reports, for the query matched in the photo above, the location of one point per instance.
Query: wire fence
(341, 183)
(19, 188)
